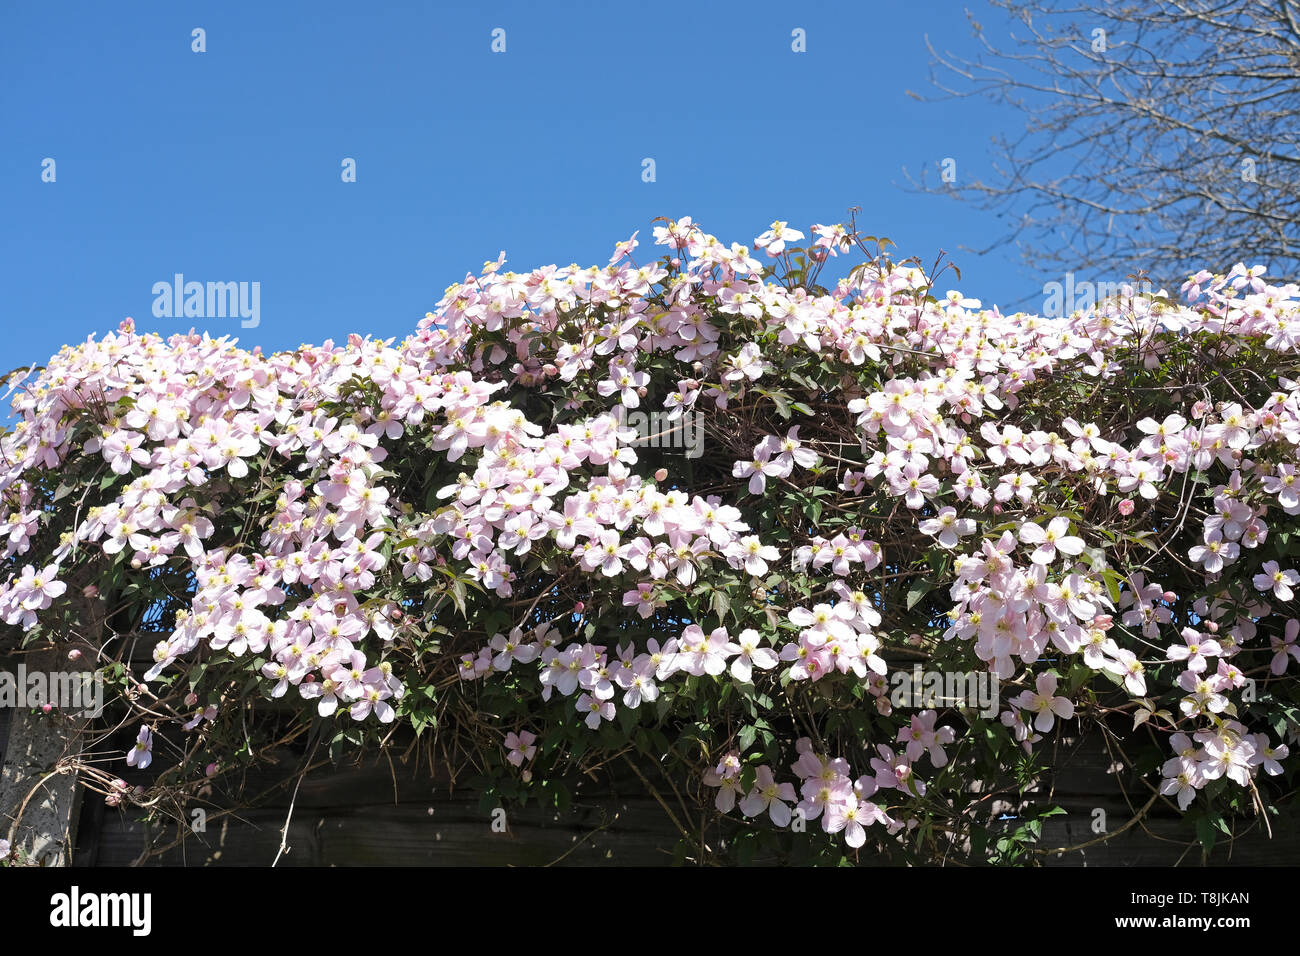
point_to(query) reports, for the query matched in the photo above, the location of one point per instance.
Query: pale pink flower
(1280, 582)
(1044, 702)
(521, 746)
(1051, 540)
(770, 796)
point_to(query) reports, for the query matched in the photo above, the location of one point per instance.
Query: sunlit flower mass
(1146, 552)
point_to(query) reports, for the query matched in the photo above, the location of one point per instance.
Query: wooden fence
(384, 812)
(381, 813)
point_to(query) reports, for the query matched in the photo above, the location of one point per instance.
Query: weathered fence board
(394, 815)
(366, 816)
(379, 813)
(1083, 782)
(38, 789)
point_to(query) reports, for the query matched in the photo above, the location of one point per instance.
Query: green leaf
(721, 604)
(918, 590)
(1112, 579)
(458, 597)
(1205, 832)
(747, 734)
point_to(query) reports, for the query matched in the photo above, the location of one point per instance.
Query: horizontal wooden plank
(379, 813)
(441, 834)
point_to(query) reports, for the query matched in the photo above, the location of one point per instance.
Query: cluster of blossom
(835, 637)
(510, 502)
(1227, 750)
(848, 548)
(827, 789)
(1009, 610)
(586, 670)
(201, 411)
(187, 426)
(32, 591)
(774, 458)
(832, 637)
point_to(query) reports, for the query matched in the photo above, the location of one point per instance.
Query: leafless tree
(1161, 135)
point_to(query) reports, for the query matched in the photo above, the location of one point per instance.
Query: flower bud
(74, 655)
(661, 474)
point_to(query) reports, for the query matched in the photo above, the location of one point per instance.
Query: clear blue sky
(225, 165)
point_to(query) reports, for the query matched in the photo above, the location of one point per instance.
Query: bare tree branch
(1159, 134)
